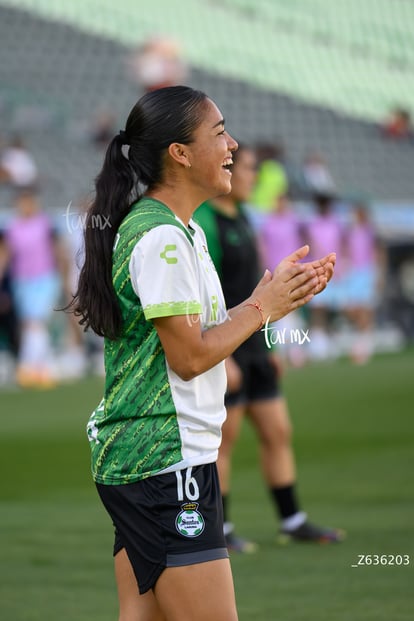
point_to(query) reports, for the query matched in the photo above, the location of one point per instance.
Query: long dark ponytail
(159, 118)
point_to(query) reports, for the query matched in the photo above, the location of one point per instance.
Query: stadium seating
(55, 76)
(351, 56)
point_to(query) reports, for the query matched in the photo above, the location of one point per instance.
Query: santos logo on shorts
(189, 522)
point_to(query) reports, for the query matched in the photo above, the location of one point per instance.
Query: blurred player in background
(35, 262)
(325, 230)
(252, 371)
(282, 231)
(365, 260)
(148, 286)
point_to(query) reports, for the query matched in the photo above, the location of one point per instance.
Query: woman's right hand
(292, 284)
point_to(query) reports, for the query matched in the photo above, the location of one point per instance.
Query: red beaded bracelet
(256, 304)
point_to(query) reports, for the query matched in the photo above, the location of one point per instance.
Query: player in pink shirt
(364, 259)
(280, 230)
(324, 230)
(35, 283)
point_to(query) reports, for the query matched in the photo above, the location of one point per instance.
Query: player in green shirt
(253, 385)
(149, 287)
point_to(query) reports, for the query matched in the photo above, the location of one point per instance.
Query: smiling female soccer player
(149, 287)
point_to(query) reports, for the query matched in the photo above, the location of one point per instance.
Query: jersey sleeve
(164, 273)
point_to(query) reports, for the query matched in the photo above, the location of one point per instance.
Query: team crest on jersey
(189, 522)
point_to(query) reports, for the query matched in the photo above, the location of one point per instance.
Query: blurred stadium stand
(311, 74)
(351, 56)
(53, 77)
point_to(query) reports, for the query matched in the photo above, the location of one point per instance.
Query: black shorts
(259, 382)
(167, 520)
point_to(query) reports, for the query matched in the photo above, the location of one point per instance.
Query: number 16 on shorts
(188, 488)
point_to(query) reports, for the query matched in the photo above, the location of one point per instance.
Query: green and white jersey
(151, 421)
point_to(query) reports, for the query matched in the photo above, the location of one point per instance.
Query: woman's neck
(180, 204)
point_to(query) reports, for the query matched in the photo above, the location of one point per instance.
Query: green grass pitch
(353, 437)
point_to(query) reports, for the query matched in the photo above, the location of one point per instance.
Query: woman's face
(210, 154)
(244, 175)
(27, 205)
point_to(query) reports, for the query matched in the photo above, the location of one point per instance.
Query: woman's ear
(179, 154)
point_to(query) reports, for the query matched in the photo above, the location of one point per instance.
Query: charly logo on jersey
(189, 522)
(166, 254)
